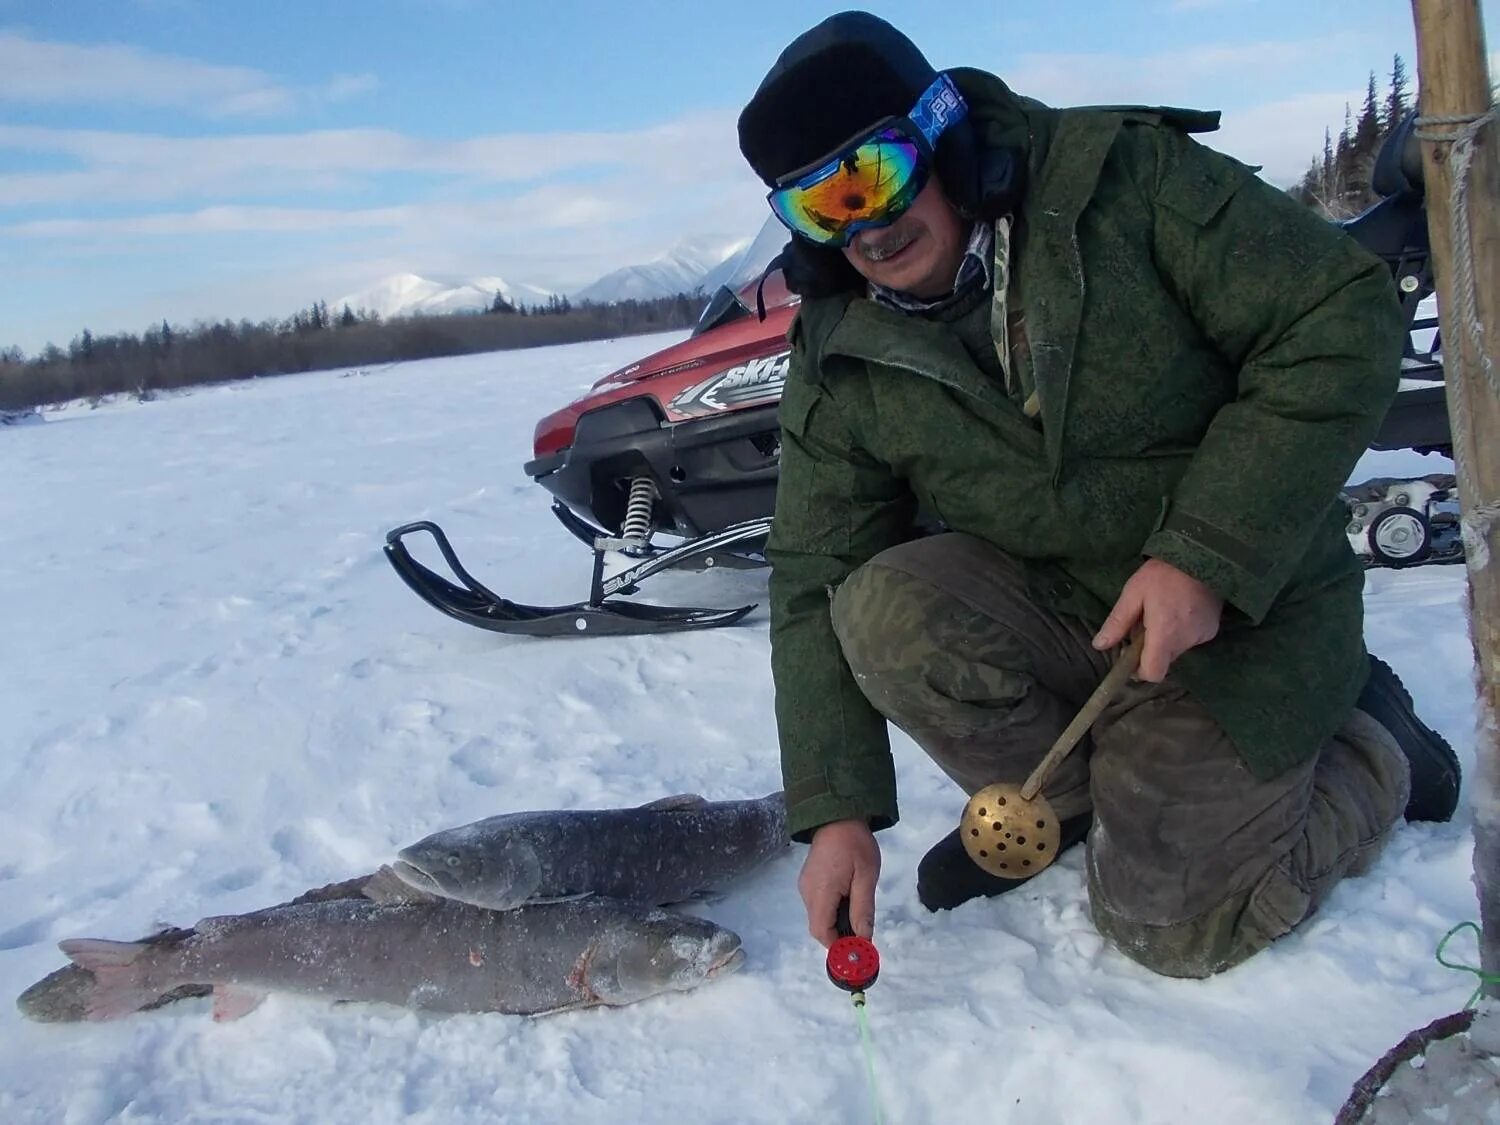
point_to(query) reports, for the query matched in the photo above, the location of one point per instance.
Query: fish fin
(389, 889)
(231, 1001)
(119, 978)
(678, 802)
(558, 898)
(98, 953)
(333, 892)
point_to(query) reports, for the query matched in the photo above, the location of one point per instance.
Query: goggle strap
(939, 106)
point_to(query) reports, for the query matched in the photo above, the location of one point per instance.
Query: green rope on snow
(1484, 977)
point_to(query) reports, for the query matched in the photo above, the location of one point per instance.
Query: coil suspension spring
(636, 528)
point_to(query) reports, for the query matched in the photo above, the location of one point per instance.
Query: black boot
(1434, 766)
(947, 877)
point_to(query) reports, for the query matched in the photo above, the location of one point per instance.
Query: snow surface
(218, 695)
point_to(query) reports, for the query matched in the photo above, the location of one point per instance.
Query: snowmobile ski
(475, 604)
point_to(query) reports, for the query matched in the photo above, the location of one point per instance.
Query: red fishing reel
(853, 962)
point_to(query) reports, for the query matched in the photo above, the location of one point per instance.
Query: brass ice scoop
(1011, 831)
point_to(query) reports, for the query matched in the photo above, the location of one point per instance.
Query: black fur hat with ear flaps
(832, 82)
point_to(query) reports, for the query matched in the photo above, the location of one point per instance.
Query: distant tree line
(1337, 183)
(166, 356)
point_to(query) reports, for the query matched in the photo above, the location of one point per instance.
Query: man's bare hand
(843, 862)
(1176, 610)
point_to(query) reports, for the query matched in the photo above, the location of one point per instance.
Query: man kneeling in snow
(1129, 379)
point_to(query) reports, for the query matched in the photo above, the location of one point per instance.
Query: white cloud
(1283, 137)
(267, 210)
(45, 72)
(1181, 77)
(547, 209)
(145, 168)
(343, 87)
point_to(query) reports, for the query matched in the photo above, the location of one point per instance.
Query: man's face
(920, 252)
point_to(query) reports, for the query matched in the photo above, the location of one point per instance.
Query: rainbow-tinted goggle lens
(873, 177)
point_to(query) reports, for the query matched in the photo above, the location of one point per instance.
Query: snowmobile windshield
(736, 297)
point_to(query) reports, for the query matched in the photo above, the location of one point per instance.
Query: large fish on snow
(671, 850)
(63, 995)
(442, 957)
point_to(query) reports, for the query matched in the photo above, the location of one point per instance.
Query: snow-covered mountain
(692, 265)
(404, 294)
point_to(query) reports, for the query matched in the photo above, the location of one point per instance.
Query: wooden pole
(1454, 85)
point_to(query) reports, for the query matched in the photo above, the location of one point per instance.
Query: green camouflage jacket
(1209, 359)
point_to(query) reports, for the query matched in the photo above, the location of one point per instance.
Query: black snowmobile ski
(475, 604)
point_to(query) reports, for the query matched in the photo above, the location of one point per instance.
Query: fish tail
(119, 987)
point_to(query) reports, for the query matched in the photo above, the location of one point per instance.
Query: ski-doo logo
(750, 384)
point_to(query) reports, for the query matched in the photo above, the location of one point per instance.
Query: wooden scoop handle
(1124, 667)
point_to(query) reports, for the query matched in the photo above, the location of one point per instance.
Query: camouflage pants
(1193, 864)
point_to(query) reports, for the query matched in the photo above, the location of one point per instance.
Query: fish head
(662, 951)
(496, 875)
(61, 996)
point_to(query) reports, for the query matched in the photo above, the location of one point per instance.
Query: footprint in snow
(479, 760)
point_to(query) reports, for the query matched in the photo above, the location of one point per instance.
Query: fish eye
(452, 860)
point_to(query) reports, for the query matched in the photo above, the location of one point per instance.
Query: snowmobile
(685, 444)
(1407, 521)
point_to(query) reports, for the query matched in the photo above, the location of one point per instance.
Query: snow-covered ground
(216, 694)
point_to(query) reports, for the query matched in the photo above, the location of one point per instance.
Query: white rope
(1476, 523)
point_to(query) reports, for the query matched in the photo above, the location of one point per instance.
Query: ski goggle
(873, 177)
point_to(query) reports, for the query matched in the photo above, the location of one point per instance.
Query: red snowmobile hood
(733, 366)
(718, 346)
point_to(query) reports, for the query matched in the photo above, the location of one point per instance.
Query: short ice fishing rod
(854, 964)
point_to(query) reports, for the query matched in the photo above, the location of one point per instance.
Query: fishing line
(853, 964)
(864, 1036)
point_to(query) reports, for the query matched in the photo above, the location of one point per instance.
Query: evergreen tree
(1343, 162)
(1396, 103)
(1367, 132)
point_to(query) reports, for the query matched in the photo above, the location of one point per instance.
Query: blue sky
(187, 159)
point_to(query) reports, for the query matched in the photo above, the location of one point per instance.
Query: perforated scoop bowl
(1011, 831)
(1007, 835)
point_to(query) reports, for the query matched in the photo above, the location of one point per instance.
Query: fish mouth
(728, 963)
(414, 876)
